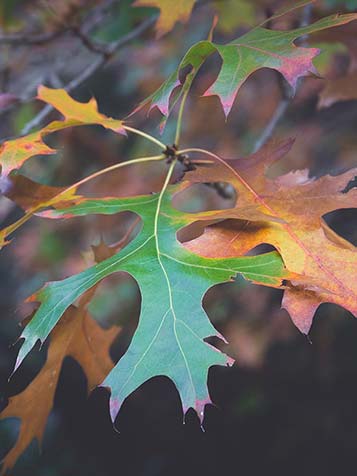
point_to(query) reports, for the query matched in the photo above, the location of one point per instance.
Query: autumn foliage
(175, 255)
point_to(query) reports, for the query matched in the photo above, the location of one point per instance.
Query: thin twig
(26, 39)
(92, 46)
(94, 19)
(274, 120)
(286, 96)
(90, 70)
(97, 15)
(36, 208)
(30, 39)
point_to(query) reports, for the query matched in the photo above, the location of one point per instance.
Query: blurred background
(288, 405)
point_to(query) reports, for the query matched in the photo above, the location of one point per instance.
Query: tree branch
(91, 69)
(26, 39)
(274, 120)
(94, 19)
(286, 96)
(30, 39)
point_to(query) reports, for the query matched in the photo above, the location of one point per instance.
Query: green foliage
(259, 48)
(172, 327)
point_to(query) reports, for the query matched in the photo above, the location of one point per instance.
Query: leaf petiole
(145, 135)
(14, 226)
(180, 113)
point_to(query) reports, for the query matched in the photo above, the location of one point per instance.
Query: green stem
(109, 169)
(14, 226)
(180, 113)
(164, 187)
(144, 134)
(201, 151)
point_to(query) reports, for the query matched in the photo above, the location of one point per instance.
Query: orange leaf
(28, 194)
(307, 245)
(76, 335)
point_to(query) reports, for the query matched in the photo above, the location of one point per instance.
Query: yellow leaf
(171, 11)
(14, 153)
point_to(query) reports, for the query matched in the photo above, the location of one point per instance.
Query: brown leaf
(28, 194)
(307, 245)
(77, 335)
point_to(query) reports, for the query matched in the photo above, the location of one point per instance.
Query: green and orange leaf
(14, 153)
(172, 327)
(259, 48)
(297, 228)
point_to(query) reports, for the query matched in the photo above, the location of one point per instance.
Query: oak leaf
(302, 237)
(77, 335)
(172, 327)
(259, 48)
(13, 153)
(28, 194)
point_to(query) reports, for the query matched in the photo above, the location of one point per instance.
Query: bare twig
(306, 18)
(286, 97)
(87, 41)
(91, 69)
(274, 120)
(26, 39)
(97, 15)
(94, 19)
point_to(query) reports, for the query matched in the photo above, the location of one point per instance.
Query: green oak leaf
(169, 339)
(259, 48)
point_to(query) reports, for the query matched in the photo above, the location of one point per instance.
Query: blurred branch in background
(286, 96)
(94, 20)
(94, 17)
(105, 56)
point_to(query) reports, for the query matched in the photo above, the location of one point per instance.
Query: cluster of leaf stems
(170, 154)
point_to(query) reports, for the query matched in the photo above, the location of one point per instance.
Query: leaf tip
(114, 407)
(41, 90)
(200, 408)
(226, 103)
(301, 305)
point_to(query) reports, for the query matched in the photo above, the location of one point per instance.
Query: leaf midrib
(158, 252)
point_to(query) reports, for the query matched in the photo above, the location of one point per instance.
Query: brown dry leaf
(79, 336)
(28, 194)
(307, 245)
(76, 335)
(31, 196)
